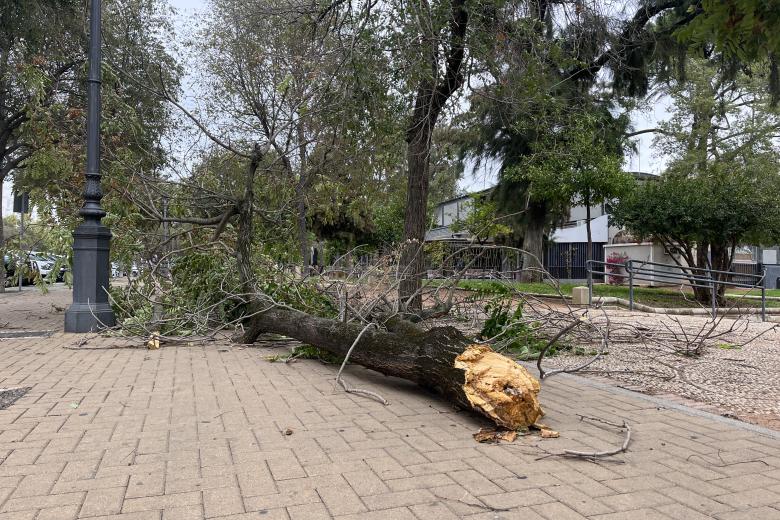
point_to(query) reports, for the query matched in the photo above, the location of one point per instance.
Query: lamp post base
(90, 310)
(82, 317)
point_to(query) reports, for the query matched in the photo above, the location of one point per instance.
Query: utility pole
(92, 240)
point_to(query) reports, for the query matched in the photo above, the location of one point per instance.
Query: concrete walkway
(217, 431)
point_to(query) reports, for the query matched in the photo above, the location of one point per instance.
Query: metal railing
(636, 270)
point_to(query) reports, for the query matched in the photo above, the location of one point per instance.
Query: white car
(42, 264)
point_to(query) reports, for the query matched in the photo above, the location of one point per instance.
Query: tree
(718, 191)
(300, 80)
(438, 34)
(544, 74)
(135, 121)
(39, 43)
(576, 163)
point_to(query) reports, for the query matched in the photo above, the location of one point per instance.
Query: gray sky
(643, 160)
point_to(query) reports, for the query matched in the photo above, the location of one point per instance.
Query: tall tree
(576, 162)
(719, 189)
(134, 126)
(39, 52)
(299, 79)
(548, 70)
(438, 31)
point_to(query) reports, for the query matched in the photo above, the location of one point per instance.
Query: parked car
(42, 264)
(10, 264)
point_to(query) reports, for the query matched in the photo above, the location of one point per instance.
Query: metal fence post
(629, 267)
(589, 266)
(763, 295)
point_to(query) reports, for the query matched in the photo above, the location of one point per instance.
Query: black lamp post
(91, 240)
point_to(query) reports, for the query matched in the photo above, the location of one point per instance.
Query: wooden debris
(499, 387)
(495, 435)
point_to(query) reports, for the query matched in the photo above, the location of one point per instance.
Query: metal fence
(634, 270)
(567, 261)
(479, 261)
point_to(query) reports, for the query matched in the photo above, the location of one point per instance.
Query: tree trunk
(703, 294)
(533, 249)
(300, 193)
(2, 242)
(432, 94)
(303, 231)
(472, 377)
(412, 261)
(245, 228)
(720, 260)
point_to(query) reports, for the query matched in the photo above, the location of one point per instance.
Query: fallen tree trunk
(472, 377)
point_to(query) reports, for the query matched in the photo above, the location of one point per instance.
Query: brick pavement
(198, 432)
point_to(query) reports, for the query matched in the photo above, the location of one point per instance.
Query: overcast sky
(643, 160)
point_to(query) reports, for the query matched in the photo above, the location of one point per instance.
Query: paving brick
(387, 467)
(528, 497)
(433, 511)
(634, 514)
(365, 482)
(636, 500)
(145, 485)
(474, 482)
(341, 500)
(36, 485)
(557, 511)
(579, 501)
(281, 500)
(398, 499)
(222, 501)
(101, 502)
(59, 513)
(309, 512)
(681, 512)
(43, 502)
(398, 513)
(183, 513)
(132, 505)
(751, 498)
(759, 513)
(627, 485)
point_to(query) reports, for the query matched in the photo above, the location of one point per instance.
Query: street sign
(21, 202)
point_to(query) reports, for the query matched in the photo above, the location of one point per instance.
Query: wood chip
(493, 435)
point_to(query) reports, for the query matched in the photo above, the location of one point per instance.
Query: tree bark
(431, 96)
(2, 242)
(303, 231)
(720, 260)
(300, 193)
(412, 261)
(469, 376)
(533, 249)
(245, 229)
(702, 294)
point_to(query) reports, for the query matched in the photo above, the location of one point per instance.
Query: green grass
(655, 297)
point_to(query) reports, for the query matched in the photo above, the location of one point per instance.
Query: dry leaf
(550, 434)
